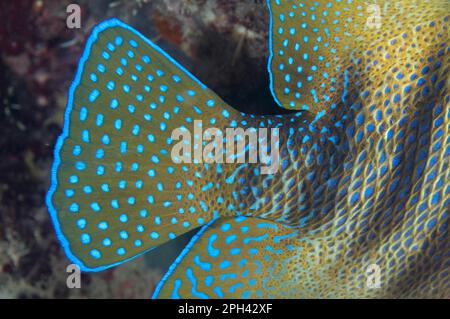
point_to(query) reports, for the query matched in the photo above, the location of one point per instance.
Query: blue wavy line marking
(180, 258)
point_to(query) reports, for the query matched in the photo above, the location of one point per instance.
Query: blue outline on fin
(180, 258)
(65, 133)
(269, 64)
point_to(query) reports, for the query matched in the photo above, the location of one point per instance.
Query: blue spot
(214, 252)
(96, 254)
(354, 198)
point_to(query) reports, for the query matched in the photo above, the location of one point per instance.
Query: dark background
(222, 42)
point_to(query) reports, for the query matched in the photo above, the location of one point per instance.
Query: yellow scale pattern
(364, 163)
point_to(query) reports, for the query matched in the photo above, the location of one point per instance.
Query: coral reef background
(223, 42)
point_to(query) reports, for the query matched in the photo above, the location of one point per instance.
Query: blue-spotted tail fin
(116, 192)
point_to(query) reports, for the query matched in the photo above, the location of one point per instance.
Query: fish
(360, 205)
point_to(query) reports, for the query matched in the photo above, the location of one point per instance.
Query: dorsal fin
(318, 47)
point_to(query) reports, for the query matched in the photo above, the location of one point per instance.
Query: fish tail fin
(237, 257)
(116, 189)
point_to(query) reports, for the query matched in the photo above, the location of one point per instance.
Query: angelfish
(364, 177)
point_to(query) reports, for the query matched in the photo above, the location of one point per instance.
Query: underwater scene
(224, 149)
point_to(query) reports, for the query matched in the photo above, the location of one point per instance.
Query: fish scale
(363, 178)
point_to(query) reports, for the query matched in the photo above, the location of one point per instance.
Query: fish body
(362, 191)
